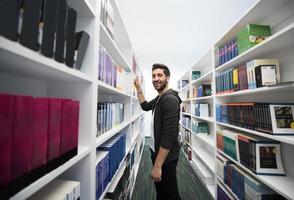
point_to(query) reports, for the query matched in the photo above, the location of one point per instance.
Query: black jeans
(167, 188)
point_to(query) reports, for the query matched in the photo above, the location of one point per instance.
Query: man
(164, 143)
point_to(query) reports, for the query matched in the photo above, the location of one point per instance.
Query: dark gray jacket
(166, 122)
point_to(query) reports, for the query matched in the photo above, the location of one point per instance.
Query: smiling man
(164, 143)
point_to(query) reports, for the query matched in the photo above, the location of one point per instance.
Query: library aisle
(190, 187)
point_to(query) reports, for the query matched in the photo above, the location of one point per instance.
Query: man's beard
(163, 85)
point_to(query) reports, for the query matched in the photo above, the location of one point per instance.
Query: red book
(66, 132)
(75, 127)
(54, 134)
(6, 125)
(40, 134)
(21, 143)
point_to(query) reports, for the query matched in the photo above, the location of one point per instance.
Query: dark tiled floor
(190, 186)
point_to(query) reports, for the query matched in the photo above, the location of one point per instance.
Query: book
(49, 28)
(82, 41)
(195, 75)
(29, 36)
(265, 75)
(9, 19)
(59, 50)
(40, 109)
(109, 19)
(54, 134)
(74, 127)
(6, 130)
(21, 143)
(66, 132)
(282, 118)
(70, 36)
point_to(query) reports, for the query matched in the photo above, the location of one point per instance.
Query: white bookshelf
(280, 45)
(26, 72)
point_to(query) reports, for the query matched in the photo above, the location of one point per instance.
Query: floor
(189, 184)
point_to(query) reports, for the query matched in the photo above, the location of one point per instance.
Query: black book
(49, 30)
(70, 37)
(60, 31)
(9, 18)
(82, 40)
(30, 25)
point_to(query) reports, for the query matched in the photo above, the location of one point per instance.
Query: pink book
(6, 125)
(40, 111)
(21, 143)
(75, 127)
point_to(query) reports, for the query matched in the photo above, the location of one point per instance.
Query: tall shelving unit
(25, 72)
(280, 45)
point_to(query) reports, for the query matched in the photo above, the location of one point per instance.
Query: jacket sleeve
(170, 115)
(146, 106)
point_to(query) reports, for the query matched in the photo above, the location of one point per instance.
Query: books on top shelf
(271, 118)
(108, 116)
(43, 133)
(262, 156)
(59, 189)
(184, 83)
(227, 52)
(254, 74)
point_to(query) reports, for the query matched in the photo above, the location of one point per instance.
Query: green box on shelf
(252, 35)
(196, 75)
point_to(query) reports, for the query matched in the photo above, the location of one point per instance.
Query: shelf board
(185, 88)
(227, 189)
(113, 49)
(137, 116)
(106, 89)
(83, 7)
(116, 179)
(186, 127)
(205, 78)
(185, 113)
(208, 119)
(186, 100)
(281, 184)
(206, 158)
(18, 60)
(107, 135)
(274, 43)
(134, 138)
(208, 139)
(41, 182)
(283, 138)
(187, 143)
(262, 90)
(202, 98)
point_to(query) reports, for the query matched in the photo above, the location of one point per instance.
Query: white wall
(176, 32)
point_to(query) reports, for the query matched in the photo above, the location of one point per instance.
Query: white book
(282, 117)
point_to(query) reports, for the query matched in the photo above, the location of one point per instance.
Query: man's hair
(161, 66)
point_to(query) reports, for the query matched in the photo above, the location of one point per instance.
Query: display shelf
(211, 189)
(83, 7)
(282, 184)
(135, 136)
(185, 113)
(107, 135)
(227, 189)
(117, 178)
(205, 174)
(281, 40)
(285, 87)
(206, 157)
(137, 116)
(18, 60)
(112, 48)
(286, 139)
(208, 119)
(41, 182)
(205, 78)
(202, 98)
(106, 89)
(208, 139)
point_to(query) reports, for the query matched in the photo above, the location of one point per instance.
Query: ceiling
(177, 32)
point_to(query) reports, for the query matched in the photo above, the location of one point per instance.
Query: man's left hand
(156, 174)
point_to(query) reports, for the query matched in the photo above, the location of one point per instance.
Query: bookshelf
(26, 72)
(279, 16)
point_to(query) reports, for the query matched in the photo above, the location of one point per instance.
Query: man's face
(159, 79)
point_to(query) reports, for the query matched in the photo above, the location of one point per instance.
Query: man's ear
(167, 78)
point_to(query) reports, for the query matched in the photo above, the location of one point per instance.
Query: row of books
(112, 74)
(47, 26)
(109, 156)
(200, 109)
(186, 135)
(242, 184)
(109, 115)
(200, 127)
(247, 37)
(60, 190)
(107, 16)
(37, 135)
(262, 156)
(269, 118)
(186, 121)
(254, 74)
(203, 90)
